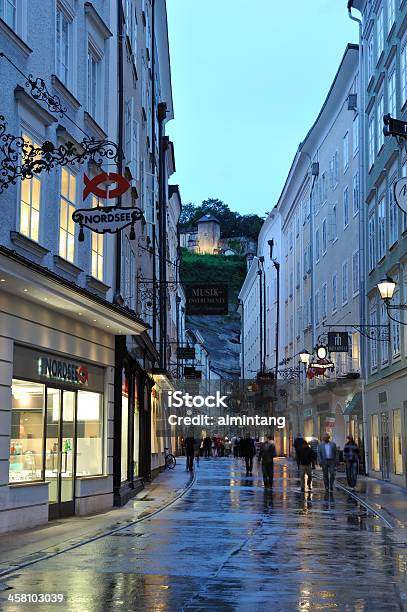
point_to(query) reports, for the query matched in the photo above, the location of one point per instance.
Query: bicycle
(170, 461)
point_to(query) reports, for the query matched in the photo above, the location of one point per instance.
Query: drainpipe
(153, 169)
(120, 341)
(362, 226)
(259, 272)
(163, 145)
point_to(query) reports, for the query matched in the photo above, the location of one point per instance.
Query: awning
(354, 406)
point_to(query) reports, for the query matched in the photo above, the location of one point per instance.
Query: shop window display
(89, 434)
(397, 442)
(125, 429)
(27, 429)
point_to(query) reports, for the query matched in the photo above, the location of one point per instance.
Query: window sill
(29, 245)
(15, 38)
(92, 124)
(97, 285)
(394, 245)
(27, 483)
(66, 266)
(64, 91)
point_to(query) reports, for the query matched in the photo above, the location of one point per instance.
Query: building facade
(80, 348)
(383, 41)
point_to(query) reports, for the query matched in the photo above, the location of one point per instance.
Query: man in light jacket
(327, 459)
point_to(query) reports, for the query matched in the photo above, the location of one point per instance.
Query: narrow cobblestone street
(228, 544)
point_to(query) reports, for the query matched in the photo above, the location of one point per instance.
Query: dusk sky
(246, 92)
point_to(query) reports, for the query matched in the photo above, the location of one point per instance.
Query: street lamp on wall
(305, 357)
(386, 287)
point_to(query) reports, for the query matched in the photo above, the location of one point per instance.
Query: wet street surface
(230, 545)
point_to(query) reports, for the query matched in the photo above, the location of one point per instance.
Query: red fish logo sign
(92, 185)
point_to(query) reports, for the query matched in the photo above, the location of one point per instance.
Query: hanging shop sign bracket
(380, 333)
(107, 219)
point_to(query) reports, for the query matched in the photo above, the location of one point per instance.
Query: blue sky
(248, 81)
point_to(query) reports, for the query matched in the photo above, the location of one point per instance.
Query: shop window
(89, 434)
(30, 201)
(125, 429)
(66, 223)
(27, 432)
(374, 427)
(397, 443)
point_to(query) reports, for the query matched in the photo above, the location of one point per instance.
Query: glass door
(60, 451)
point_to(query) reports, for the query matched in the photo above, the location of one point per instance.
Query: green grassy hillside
(213, 269)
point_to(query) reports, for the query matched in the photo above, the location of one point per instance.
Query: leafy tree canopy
(231, 223)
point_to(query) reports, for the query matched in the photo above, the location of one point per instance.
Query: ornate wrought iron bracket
(380, 333)
(23, 160)
(290, 374)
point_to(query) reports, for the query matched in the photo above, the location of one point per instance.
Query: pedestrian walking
(207, 445)
(351, 457)
(327, 459)
(306, 458)
(314, 447)
(248, 450)
(298, 442)
(190, 452)
(266, 458)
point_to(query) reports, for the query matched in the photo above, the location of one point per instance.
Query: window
(132, 139)
(8, 12)
(324, 187)
(324, 237)
(403, 74)
(317, 307)
(27, 432)
(125, 428)
(384, 346)
(334, 225)
(355, 135)
(131, 26)
(334, 293)
(128, 272)
(395, 330)
(324, 300)
(356, 193)
(346, 151)
(30, 200)
(67, 207)
(63, 47)
(372, 242)
(380, 32)
(97, 249)
(317, 246)
(379, 120)
(370, 58)
(346, 207)
(373, 343)
(355, 272)
(397, 443)
(381, 229)
(297, 225)
(89, 445)
(391, 93)
(94, 82)
(393, 217)
(344, 282)
(391, 13)
(374, 426)
(336, 168)
(371, 143)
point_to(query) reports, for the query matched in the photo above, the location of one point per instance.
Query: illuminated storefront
(57, 425)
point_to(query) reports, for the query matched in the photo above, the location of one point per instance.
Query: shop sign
(63, 371)
(307, 412)
(192, 373)
(338, 342)
(92, 185)
(107, 219)
(330, 421)
(206, 299)
(400, 193)
(185, 352)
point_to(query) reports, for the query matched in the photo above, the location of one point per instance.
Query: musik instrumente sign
(206, 299)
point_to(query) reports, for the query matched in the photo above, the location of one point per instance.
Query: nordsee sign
(63, 371)
(107, 219)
